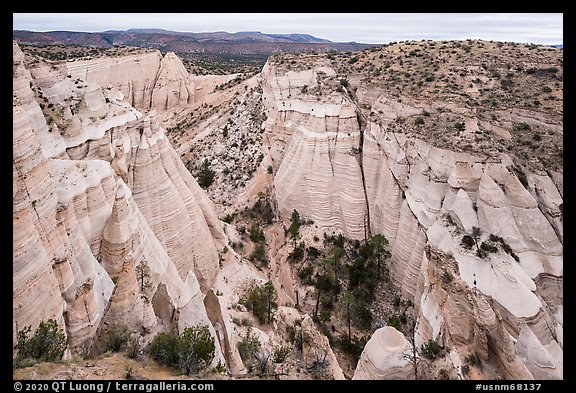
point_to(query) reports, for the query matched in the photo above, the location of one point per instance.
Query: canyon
(426, 143)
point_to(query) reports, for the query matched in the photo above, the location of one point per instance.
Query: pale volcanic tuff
(85, 222)
(411, 187)
(95, 200)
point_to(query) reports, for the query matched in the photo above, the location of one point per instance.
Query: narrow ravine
(360, 159)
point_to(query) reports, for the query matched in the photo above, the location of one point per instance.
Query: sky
(372, 28)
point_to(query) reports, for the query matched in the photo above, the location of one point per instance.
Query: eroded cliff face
(316, 143)
(341, 165)
(147, 80)
(109, 227)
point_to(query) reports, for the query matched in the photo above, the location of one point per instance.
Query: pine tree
(295, 225)
(205, 175)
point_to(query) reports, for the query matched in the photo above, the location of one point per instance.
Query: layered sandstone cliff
(147, 80)
(109, 227)
(342, 166)
(317, 142)
(108, 221)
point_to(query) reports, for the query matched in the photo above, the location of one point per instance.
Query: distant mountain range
(211, 42)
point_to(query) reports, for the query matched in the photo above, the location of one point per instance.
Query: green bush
(205, 175)
(48, 343)
(494, 238)
(521, 127)
(327, 282)
(313, 252)
(505, 246)
(537, 136)
(431, 349)
(256, 233)
(262, 210)
(467, 241)
(325, 315)
(298, 252)
(305, 274)
(473, 360)
(229, 218)
(294, 224)
(362, 316)
(488, 247)
(249, 346)
(195, 349)
(134, 347)
(280, 354)
(117, 339)
(220, 368)
(444, 374)
(261, 301)
(353, 346)
(163, 348)
(190, 353)
(394, 321)
(259, 255)
(362, 279)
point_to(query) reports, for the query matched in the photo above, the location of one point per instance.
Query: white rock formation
(385, 356)
(147, 80)
(319, 171)
(109, 227)
(99, 193)
(343, 171)
(316, 350)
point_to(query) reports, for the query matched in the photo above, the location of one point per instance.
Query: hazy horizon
(545, 28)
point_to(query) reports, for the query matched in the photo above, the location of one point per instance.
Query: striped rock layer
(341, 168)
(109, 228)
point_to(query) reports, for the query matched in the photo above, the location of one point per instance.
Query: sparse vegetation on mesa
(72, 52)
(485, 78)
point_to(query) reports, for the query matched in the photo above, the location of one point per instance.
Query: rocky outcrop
(108, 221)
(385, 356)
(147, 80)
(421, 197)
(318, 356)
(174, 206)
(446, 195)
(318, 142)
(55, 273)
(110, 229)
